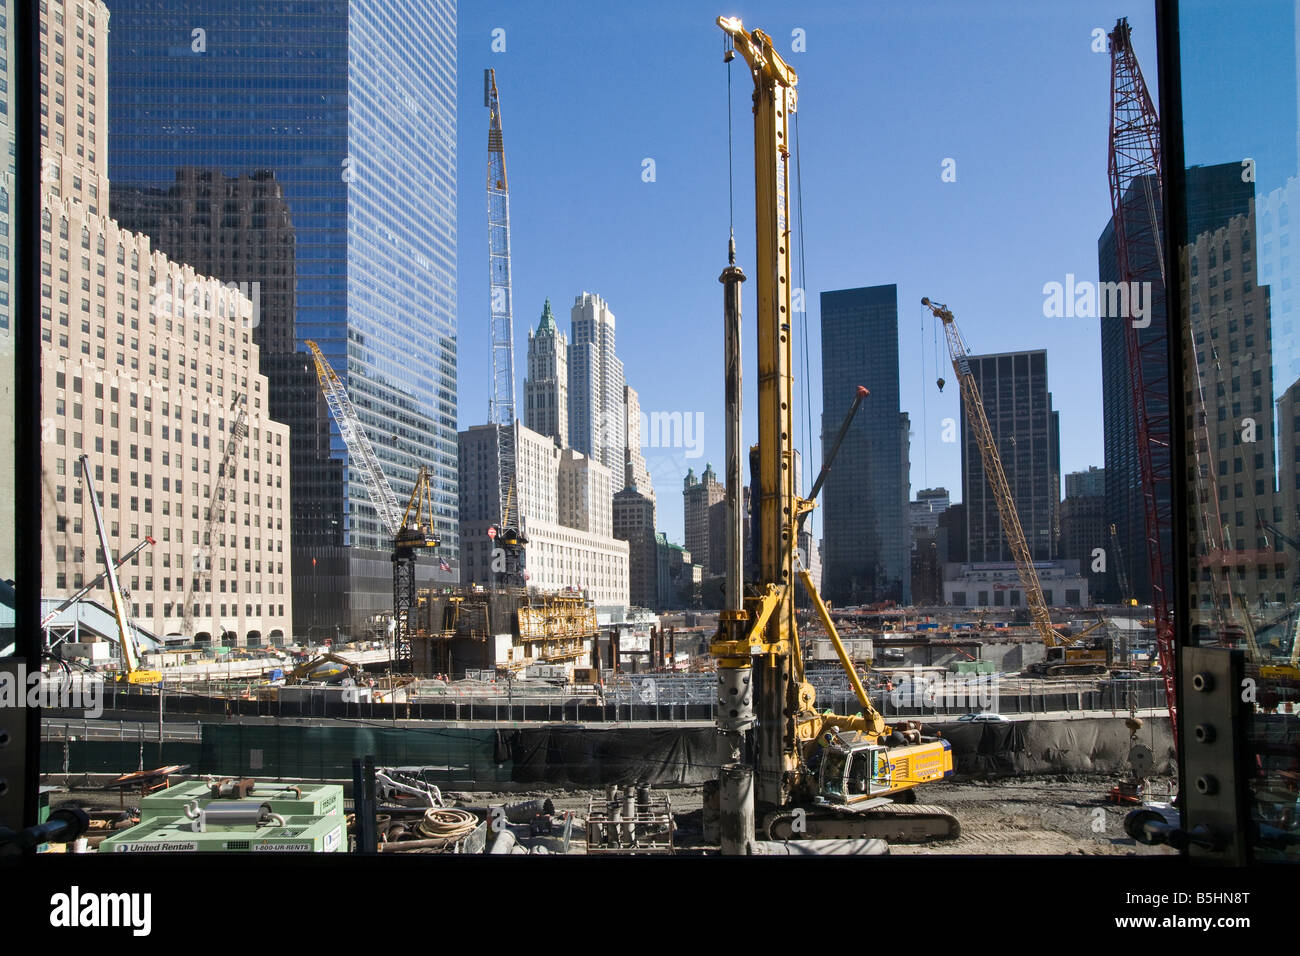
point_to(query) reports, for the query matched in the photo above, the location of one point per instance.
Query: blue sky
(1013, 92)
(1240, 100)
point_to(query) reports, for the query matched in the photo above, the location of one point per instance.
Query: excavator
(1066, 656)
(816, 775)
(319, 669)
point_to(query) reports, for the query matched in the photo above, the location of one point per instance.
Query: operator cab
(852, 771)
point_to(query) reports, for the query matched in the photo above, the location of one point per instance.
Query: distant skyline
(1013, 93)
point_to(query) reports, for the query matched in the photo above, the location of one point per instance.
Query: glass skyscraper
(1216, 194)
(867, 555)
(306, 151)
(1027, 432)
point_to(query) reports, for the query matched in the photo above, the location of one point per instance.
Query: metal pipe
(629, 816)
(820, 848)
(735, 699)
(736, 809)
(503, 844)
(731, 278)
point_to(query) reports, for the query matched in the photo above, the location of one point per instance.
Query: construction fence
(641, 697)
(468, 758)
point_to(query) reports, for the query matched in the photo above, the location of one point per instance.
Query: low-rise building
(997, 584)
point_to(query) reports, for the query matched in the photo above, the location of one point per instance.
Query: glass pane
(1240, 277)
(8, 383)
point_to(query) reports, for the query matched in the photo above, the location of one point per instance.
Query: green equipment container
(299, 834)
(307, 799)
(972, 667)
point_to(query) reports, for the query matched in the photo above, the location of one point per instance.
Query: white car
(983, 719)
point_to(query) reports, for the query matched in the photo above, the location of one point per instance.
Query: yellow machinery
(815, 774)
(132, 673)
(1065, 657)
(1291, 669)
(316, 669)
(414, 534)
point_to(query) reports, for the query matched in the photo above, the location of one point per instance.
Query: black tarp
(588, 757)
(1084, 745)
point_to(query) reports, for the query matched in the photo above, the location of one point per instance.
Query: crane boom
(411, 528)
(1126, 593)
(501, 410)
(1276, 532)
(360, 451)
(1136, 179)
(200, 577)
(94, 583)
(126, 638)
(997, 479)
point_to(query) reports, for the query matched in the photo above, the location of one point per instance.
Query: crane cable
(803, 327)
(925, 416)
(729, 54)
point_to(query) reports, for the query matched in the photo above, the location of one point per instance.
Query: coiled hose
(447, 824)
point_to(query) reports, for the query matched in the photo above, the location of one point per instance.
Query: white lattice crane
(411, 529)
(1064, 656)
(361, 453)
(200, 576)
(501, 410)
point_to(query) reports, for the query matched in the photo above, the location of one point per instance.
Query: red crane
(1135, 191)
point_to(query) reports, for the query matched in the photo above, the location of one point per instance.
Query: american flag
(443, 565)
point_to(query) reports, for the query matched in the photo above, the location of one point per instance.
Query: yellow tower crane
(411, 530)
(1065, 656)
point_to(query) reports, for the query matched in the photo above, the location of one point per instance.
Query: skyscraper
(634, 522)
(546, 389)
(1013, 387)
(1232, 435)
(1089, 484)
(924, 512)
(1288, 421)
(596, 400)
(1083, 529)
(866, 556)
(636, 475)
(1215, 194)
(698, 496)
(566, 511)
(150, 371)
(359, 139)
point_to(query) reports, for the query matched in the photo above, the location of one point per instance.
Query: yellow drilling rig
(811, 774)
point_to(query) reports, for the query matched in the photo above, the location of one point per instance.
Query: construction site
(508, 719)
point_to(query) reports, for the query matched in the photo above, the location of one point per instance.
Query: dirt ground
(1053, 815)
(1049, 815)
